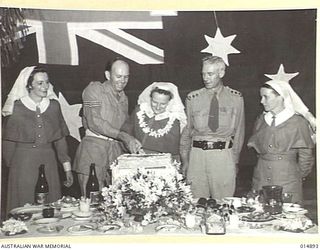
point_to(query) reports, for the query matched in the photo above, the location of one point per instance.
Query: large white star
(220, 46)
(281, 75)
(71, 116)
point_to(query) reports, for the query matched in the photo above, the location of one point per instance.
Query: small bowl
(291, 205)
(296, 210)
(22, 216)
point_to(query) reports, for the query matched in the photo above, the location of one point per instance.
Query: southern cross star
(220, 46)
(281, 75)
(71, 116)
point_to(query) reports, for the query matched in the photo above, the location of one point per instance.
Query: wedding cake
(159, 164)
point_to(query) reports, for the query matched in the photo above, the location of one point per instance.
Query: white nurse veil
(19, 90)
(175, 106)
(293, 102)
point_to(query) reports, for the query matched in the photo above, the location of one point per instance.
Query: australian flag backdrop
(74, 45)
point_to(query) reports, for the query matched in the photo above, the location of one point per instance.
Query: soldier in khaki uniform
(105, 108)
(212, 140)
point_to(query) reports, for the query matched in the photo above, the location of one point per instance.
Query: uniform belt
(208, 145)
(278, 157)
(34, 145)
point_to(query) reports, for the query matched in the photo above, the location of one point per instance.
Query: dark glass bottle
(92, 187)
(41, 190)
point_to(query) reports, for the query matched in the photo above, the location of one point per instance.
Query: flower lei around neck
(151, 132)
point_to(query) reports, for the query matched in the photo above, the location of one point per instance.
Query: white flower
(155, 133)
(147, 192)
(13, 226)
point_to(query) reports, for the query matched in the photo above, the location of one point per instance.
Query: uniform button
(39, 126)
(280, 158)
(39, 136)
(270, 146)
(269, 167)
(34, 146)
(269, 179)
(38, 115)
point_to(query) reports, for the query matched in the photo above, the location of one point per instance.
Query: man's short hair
(111, 62)
(214, 60)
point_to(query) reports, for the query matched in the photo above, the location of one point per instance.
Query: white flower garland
(151, 132)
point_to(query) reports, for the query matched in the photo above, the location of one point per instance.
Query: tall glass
(272, 196)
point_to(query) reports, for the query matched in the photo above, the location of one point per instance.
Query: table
(64, 225)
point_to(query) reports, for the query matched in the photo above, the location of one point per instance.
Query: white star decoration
(71, 116)
(220, 46)
(281, 75)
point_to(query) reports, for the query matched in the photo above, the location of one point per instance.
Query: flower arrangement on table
(147, 197)
(12, 227)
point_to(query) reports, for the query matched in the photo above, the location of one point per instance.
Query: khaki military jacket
(231, 119)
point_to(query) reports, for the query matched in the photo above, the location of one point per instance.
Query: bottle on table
(92, 187)
(41, 190)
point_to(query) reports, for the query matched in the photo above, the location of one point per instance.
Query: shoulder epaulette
(233, 91)
(194, 94)
(95, 83)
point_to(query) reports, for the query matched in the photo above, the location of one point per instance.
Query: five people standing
(208, 138)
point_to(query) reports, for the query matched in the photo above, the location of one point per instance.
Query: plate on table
(82, 214)
(66, 204)
(294, 225)
(257, 217)
(108, 227)
(50, 229)
(292, 229)
(290, 205)
(27, 209)
(235, 201)
(231, 199)
(56, 205)
(82, 218)
(81, 228)
(167, 228)
(46, 220)
(295, 210)
(297, 230)
(69, 209)
(66, 215)
(245, 209)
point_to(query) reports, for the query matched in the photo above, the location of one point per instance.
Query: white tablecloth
(244, 228)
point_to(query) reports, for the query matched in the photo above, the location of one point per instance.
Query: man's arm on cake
(131, 143)
(127, 132)
(92, 112)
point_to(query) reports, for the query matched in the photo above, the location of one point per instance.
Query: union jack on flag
(56, 33)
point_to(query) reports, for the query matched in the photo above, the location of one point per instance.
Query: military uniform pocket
(200, 120)
(227, 117)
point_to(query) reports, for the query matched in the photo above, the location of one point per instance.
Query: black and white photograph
(191, 123)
